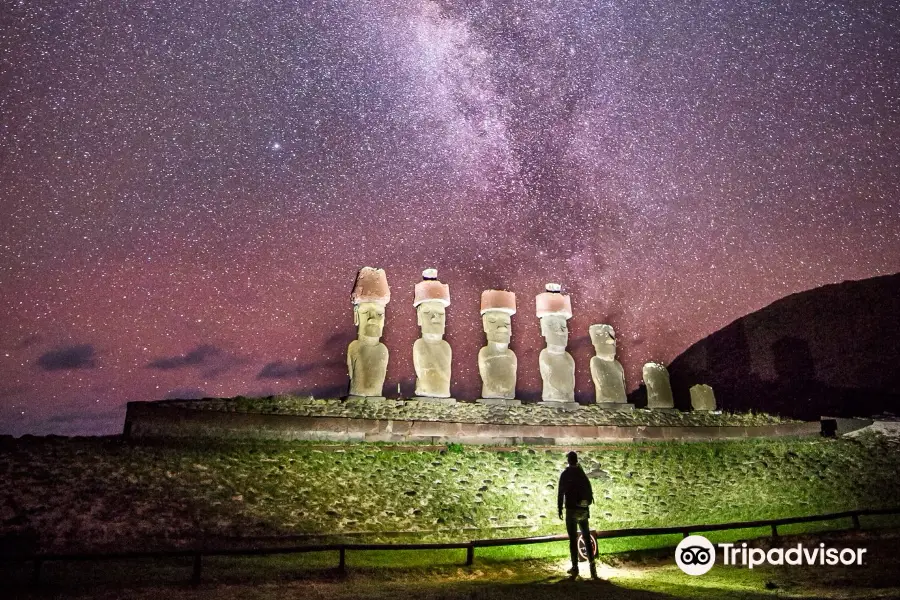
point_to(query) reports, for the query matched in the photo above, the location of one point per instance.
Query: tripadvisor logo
(695, 555)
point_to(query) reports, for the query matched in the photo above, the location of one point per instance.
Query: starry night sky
(187, 189)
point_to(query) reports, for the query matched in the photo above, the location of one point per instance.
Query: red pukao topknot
(371, 286)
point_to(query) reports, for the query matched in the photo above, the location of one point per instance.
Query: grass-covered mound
(106, 493)
(470, 412)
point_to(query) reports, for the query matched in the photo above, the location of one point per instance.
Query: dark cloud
(195, 358)
(284, 370)
(212, 361)
(81, 356)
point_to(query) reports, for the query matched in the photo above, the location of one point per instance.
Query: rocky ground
(470, 412)
(70, 494)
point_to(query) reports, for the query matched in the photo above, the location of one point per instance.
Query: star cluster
(188, 189)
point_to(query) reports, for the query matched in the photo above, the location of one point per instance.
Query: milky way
(187, 189)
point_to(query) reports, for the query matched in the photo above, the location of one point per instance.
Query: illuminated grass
(96, 494)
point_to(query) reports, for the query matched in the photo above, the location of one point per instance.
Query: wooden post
(198, 567)
(686, 533)
(342, 564)
(470, 554)
(36, 574)
(774, 530)
(855, 517)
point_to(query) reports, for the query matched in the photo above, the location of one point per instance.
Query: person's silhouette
(574, 491)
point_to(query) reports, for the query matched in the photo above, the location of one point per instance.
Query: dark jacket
(574, 487)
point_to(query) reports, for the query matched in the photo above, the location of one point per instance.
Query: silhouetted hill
(833, 350)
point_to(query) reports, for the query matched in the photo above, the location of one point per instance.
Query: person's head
(572, 457)
(431, 317)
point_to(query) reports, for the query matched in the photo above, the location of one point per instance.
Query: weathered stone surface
(497, 364)
(606, 372)
(432, 360)
(172, 419)
(625, 406)
(432, 355)
(556, 365)
(435, 400)
(300, 412)
(702, 397)
(659, 391)
(367, 363)
(560, 405)
(367, 357)
(499, 401)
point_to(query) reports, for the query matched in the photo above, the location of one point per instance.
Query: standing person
(575, 491)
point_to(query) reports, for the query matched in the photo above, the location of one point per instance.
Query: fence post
(855, 517)
(342, 564)
(36, 574)
(774, 530)
(198, 566)
(685, 533)
(470, 554)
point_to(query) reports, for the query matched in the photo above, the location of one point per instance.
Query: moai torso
(367, 364)
(558, 374)
(367, 357)
(702, 397)
(432, 360)
(659, 390)
(609, 380)
(497, 367)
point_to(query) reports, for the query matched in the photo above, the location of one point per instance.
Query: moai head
(431, 302)
(554, 309)
(370, 295)
(603, 337)
(497, 309)
(369, 319)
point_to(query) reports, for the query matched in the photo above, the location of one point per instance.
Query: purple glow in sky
(188, 189)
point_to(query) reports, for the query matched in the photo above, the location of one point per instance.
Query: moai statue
(659, 390)
(606, 371)
(497, 364)
(557, 365)
(431, 353)
(367, 357)
(702, 397)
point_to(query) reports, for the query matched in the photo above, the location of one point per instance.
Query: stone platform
(298, 418)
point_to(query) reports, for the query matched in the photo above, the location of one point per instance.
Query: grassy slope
(107, 494)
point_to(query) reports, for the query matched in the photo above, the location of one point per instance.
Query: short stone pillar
(606, 372)
(497, 364)
(659, 390)
(557, 366)
(367, 357)
(432, 355)
(702, 397)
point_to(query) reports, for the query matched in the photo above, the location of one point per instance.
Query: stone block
(702, 397)
(428, 399)
(498, 402)
(560, 405)
(621, 406)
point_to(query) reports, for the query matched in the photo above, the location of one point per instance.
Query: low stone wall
(154, 420)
